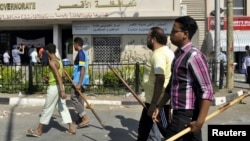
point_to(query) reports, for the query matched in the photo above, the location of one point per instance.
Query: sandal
(31, 133)
(68, 132)
(82, 125)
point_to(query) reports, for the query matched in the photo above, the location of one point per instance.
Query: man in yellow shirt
(157, 73)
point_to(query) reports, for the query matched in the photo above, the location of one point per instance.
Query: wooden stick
(85, 100)
(124, 82)
(225, 107)
(133, 93)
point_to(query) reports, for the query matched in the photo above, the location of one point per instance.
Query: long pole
(160, 126)
(225, 107)
(85, 100)
(230, 46)
(127, 86)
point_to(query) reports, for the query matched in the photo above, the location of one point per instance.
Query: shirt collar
(187, 47)
(184, 49)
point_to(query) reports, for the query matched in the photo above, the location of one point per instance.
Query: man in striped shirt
(190, 90)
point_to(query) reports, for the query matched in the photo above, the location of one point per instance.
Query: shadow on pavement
(54, 124)
(129, 131)
(9, 133)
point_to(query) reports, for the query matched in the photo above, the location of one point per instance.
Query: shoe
(31, 133)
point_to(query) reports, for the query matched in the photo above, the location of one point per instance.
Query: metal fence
(217, 77)
(29, 79)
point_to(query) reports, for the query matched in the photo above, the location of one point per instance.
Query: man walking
(156, 77)
(190, 89)
(80, 79)
(56, 96)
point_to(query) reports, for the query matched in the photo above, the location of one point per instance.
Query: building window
(4, 41)
(107, 49)
(239, 7)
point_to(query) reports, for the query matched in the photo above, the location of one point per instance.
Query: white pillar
(57, 39)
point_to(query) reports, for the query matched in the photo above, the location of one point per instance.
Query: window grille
(106, 49)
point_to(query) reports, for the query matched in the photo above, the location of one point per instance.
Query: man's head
(247, 47)
(15, 46)
(156, 35)
(50, 48)
(183, 30)
(78, 43)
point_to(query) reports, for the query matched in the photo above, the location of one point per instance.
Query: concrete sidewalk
(222, 96)
(39, 99)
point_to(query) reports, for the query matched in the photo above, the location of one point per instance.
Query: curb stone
(227, 98)
(40, 101)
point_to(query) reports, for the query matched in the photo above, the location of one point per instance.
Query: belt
(183, 110)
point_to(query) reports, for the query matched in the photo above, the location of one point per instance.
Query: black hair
(187, 24)
(51, 48)
(78, 41)
(247, 47)
(158, 34)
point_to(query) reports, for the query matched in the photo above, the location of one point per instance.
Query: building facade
(241, 26)
(197, 10)
(113, 30)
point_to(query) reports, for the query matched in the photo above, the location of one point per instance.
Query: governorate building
(113, 30)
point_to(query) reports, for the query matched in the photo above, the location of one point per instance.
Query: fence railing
(217, 72)
(29, 79)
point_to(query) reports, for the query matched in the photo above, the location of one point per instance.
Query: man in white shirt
(6, 57)
(223, 57)
(34, 56)
(246, 65)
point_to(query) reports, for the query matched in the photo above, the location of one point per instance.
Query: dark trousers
(248, 74)
(181, 118)
(146, 123)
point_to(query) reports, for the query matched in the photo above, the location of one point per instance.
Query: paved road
(121, 123)
(236, 115)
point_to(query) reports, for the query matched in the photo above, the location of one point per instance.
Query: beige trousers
(53, 101)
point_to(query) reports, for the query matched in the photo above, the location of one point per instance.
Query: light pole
(217, 41)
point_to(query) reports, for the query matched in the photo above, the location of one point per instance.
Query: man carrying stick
(190, 89)
(56, 96)
(156, 77)
(80, 78)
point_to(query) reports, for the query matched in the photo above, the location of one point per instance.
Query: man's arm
(82, 72)
(200, 72)
(54, 67)
(158, 87)
(197, 125)
(163, 101)
(22, 50)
